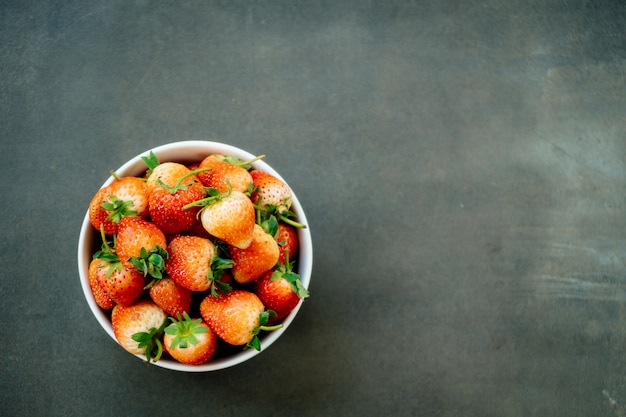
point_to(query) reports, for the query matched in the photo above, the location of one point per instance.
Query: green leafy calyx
(118, 209)
(151, 341)
(285, 271)
(184, 331)
(151, 263)
(263, 320)
(151, 162)
(215, 274)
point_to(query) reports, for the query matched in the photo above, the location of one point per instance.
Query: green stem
(179, 183)
(209, 200)
(258, 158)
(271, 328)
(104, 239)
(291, 222)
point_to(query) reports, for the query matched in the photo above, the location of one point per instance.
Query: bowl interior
(186, 152)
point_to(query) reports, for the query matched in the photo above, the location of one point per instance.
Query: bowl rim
(190, 151)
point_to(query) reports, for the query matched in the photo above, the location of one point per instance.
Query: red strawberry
(166, 209)
(287, 238)
(270, 191)
(193, 263)
(280, 290)
(229, 217)
(236, 318)
(126, 196)
(171, 297)
(137, 328)
(189, 341)
(97, 268)
(189, 262)
(223, 174)
(259, 257)
(141, 245)
(122, 285)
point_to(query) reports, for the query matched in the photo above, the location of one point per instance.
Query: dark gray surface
(462, 168)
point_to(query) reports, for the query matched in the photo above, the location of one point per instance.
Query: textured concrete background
(462, 165)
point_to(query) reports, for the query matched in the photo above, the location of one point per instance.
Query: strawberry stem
(179, 184)
(104, 239)
(271, 328)
(244, 164)
(291, 222)
(214, 197)
(247, 163)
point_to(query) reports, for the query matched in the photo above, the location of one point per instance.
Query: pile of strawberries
(195, 259)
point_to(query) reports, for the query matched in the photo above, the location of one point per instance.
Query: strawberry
(171, 297)
(287, 238)
(270, 191)
(124, 285)
(126, 196)
(236, 318)
(166, 209)
(169, 174)
(189, 341)
(141, 245)
(189, 260)
(121, 284)
(223, 174)
(137, 328)
(193, 263)
(228, 216)
(259, 257)
(97, 268)
(280, 290)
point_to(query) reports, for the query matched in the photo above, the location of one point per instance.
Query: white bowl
(184, 152)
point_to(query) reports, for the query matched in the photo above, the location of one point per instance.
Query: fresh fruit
(287, 238)
(138, 328)
(121, 284)
(223, 175)
(97, 268)
(189, 262)
(166, 200)
(189, 341)
(126, 196)
(270, 191)
(280, 290)
(171, 297)
(236, 318)
(259, 257)
(166, 208)
(191, 267)
(167, 173)
(141, 245)
(228, 216)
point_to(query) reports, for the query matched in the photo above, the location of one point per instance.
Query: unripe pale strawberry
(231, 218)
(143, 317)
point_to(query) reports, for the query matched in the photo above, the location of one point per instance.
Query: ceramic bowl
(188, 152)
